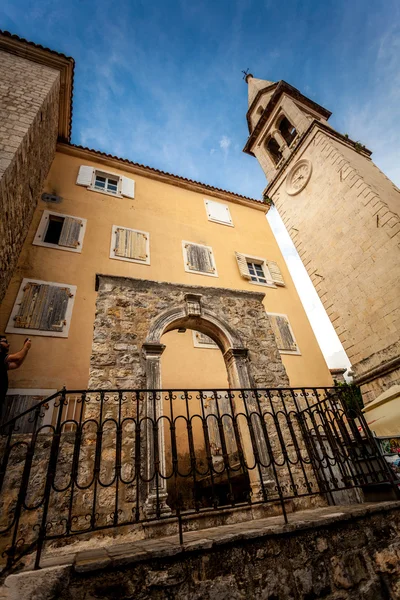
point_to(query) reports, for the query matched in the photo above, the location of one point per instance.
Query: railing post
(51, 472)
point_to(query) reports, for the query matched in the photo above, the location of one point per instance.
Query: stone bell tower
(342, 213)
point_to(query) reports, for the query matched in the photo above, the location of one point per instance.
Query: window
(42, 308)
(199, 259)
(274, 150)
(60, 231)
(130, 245)
(283, 332)
(18, 401)
(201, 340)
(288, 131)
(259, 270)
(105, 183)
(256, 272)
(218, 212)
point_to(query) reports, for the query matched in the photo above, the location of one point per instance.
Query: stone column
(155, 491)
(238, 375)
(283, 147)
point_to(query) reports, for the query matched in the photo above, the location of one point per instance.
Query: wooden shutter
(14, 405)
(85, 176)
(43, 307)
(275, 271)
(199, 258)
(283, 335)
(70, 232)
(242, 264)
(127, 187)
(217, 211)
(130, 244)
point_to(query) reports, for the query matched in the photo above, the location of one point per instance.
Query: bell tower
(342, 213)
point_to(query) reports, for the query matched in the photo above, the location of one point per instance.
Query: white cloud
(225, 143)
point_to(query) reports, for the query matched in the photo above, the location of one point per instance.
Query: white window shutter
(275, 271)
(127, 187)
(216, 211)
(242, 264)
(85, 176)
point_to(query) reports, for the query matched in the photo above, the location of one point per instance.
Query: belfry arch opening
(287, 130)
(274, 150)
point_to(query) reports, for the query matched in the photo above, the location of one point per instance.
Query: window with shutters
(199, 259)
(106, 183)
(283, 332)
(130, 245)
(42, 308)
(201, 340)
(18, 401)
(62, 232)
(259, 270)
(218, 212)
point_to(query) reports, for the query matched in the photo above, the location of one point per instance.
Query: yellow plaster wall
(170, 214)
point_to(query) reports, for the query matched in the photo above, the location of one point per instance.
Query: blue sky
(160, 82)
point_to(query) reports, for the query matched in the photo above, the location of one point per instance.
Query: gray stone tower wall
(29, 114)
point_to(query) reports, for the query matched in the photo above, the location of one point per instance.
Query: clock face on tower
(298, 177)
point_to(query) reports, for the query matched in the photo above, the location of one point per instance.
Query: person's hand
(27, 343)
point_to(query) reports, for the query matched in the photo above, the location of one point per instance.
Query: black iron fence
(89, 460)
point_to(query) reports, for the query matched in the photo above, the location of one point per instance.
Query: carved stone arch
(192, 315)
(207, 322)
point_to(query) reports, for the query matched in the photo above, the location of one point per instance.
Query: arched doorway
(208, 440)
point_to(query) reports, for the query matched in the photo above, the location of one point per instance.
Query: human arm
(15, 360)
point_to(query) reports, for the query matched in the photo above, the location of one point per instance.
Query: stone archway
(191, 314)
(131, 317)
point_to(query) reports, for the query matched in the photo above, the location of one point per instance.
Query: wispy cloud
(224, 143)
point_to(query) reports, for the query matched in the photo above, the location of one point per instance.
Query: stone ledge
(145, 284)
(117, 555)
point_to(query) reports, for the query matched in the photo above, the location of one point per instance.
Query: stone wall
(126, 309)
(29, 101)
(344, 555)
(346, 227)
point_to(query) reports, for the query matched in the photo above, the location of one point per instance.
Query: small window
(274, 150)
(259, 270)
(288, 131)
(218, 212)
(201, 340)
(130, 245)
(106, 183)
(42, 308)
(62, 232)
(199, 259)
(283, 332)
(256, 271)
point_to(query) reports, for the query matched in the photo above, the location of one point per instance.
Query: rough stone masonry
(29, 101)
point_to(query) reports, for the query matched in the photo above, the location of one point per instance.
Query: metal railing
(141, 456)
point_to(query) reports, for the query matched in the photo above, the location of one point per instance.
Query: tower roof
(256, 85)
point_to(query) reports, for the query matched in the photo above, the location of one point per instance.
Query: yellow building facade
(170, 212)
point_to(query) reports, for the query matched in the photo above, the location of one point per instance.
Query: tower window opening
(274, 150)
(287, 130)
